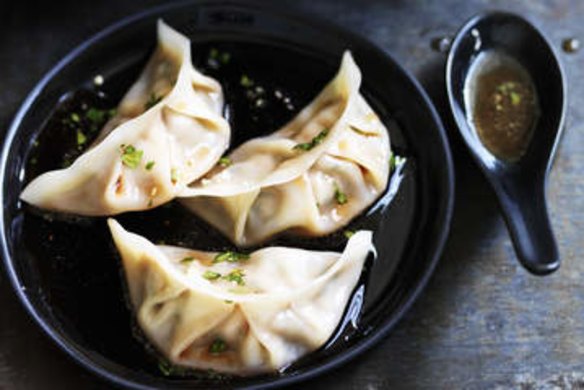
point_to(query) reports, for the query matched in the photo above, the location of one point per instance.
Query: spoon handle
(525, 211)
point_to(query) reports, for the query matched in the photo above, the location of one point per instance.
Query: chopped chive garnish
(340, 196)
(235, 276)
(152, 101)
(150, 165)
(515, 98)
(165, 367)
(230, 257)
(187, 259)
(214, 53)
(81, 138)
(96, 115)
(218, 346)
(131, 156)
(210, 275)
(314, 142)
(75, 117)
(225, 161)
(348, 233)
(245, 81)
(225, 58)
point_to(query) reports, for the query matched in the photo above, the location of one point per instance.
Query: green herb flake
(225, 58)
(187, 259)
(214, 53)
(228, 301)
(150, 165)
(131, 157)
(349, 233)
(515, 98)
(165, 367)
(210, 275)
(340, 196)
(314, 142)
(230, 257)
(224, 162)
(95, 115)
(245, 81)
(395, 161)
(235, 276)
(152, 101)
(75, 117)
(218, 346)
(81, 138)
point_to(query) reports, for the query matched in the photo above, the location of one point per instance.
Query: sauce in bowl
(502, 104)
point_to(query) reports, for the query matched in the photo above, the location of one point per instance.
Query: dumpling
(235, 313)
(312, 176)
(168, 132)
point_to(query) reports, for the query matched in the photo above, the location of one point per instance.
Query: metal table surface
(482, 322)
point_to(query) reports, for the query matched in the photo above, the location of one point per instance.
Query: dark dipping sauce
(77, 267)
(502, 104)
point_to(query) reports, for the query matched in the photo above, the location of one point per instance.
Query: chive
(95, 115)
(340, 196)
(235, 276)
(349, 233)
(75, 117)
(150, 165)
(81, 138)
(314, 142)
(210, 275)
(230, 257)
(187, 259)
(225, 58)
(214, 53)
(165, 367)
(245, 81)
(218, 346)
(225, 161)
(131, 156)
(152, 101)
(515, 98)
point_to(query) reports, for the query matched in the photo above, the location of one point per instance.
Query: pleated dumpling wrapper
(168, 131)
(312, 176)
(238, 314)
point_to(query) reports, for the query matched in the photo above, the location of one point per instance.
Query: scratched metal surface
(483, 322)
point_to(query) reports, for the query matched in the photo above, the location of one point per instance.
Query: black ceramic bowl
(66, 272)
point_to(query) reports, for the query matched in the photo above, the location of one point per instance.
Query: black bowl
(65, 272)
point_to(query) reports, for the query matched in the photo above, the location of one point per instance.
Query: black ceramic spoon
(520, 185)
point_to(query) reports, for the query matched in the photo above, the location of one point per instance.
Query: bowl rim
(445, 207)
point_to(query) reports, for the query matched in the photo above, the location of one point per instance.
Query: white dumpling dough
(271, 186)
(184, 135)
(290, 305)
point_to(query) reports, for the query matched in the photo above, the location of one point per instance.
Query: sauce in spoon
(502, 104)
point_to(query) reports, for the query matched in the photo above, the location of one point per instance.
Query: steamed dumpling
(168, 132)
(312, 176)
(253, 315)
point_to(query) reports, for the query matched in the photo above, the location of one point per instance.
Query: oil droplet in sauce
(502, 104)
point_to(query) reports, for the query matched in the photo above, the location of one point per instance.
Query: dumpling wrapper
(290, 305)
(184, 135)
(271, 186)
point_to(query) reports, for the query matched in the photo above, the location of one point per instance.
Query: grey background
(482, 322)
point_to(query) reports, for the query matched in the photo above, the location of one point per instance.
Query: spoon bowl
(519, 184)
